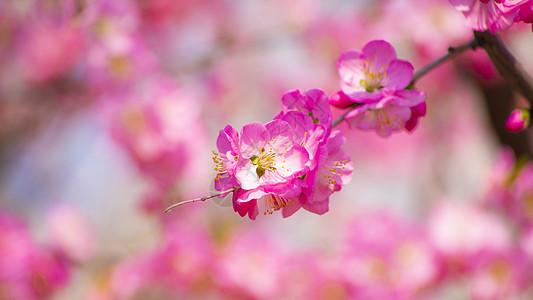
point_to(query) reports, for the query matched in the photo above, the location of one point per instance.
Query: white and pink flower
(376, 81)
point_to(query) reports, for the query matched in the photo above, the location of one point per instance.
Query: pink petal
(253, 138)
(379, 54)
(228, 140)
(293, 161)
(300, 122)
(246, 174)
(350, 67)
(319, 105)
(291, 100)
(399, 74)
(291, 209)
(463, 5)
(281, 134)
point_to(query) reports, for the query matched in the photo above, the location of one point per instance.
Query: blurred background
(109, 111)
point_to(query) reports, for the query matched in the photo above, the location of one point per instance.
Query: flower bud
(518, 120)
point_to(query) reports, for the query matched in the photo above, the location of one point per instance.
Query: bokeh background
(109, 111)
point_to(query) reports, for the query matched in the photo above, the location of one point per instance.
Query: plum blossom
(376, 81)
(291, 162)
(264, 163)
(492, 15)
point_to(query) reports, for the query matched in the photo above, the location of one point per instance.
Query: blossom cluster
(293, 161)
(377, 83)
(494, 15)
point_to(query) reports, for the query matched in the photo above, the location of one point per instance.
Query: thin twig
(199, 199)
(452, 51)
(341, 118)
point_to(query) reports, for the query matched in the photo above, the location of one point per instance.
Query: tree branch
(506, 64)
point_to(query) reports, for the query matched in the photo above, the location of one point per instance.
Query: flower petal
(379, 54)
(398, 74)
(350, 67)
(253, 138)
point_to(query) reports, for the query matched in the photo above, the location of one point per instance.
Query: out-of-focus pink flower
(69, 232)
(152, 121)
(181, 265)
(499, 182)
(376, 79)
(117, 53)
(518, 120)
(460, 233)
(387, 258)
(27, 271)
(522, 211)
(49, 51)
(252, 266)
(492, 15)
(498, 276)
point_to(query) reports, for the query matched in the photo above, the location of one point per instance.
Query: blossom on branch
(291, 162)
(376, 81)
(492, 15)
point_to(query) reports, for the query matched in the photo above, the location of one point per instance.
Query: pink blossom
(264, 163)
(365, 73)
(180, 264)
(498, 276)
(70, 233)
(492, 15)
(269, 155)
(50, 51)
(518, 120)
(522, 211)
(376, 79)
(393, 112)
(252, 266)
(28, 271)
(152, 122)
(499, 181)
(458, 241)
(387, 258)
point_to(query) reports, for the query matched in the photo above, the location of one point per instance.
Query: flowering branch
(341, 118)
(505, 63)
(452, 51)
(199, 199)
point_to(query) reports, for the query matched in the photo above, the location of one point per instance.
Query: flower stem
(199, 199)
(452, 51)
(341, 118)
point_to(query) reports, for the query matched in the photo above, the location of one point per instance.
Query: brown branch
(506, 64)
